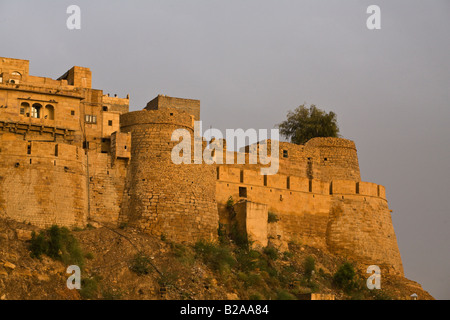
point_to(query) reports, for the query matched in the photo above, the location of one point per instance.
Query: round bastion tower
(163, 198)
(338, 159)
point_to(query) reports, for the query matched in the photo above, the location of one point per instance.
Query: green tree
(344, 278)
(304, 123)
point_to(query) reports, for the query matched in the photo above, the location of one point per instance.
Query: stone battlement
(162, 102)
(251, 177)
(174, 117)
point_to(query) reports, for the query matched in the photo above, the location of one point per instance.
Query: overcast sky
(250, 62)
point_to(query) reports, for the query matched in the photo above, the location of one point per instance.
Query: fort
(70, 154)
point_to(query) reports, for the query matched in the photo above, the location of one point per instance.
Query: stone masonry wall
(161, 197)
(42, 183)
(162, 102)
(50, 129)
(347, 217)
(324, 159)
(338, 159)
(106, 185)
(363, 231)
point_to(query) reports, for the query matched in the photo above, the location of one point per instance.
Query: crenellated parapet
(252, 177)
(178, 119)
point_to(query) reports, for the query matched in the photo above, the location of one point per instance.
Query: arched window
(25, 109)
(36, 110)
(15, 77)
(49, 112)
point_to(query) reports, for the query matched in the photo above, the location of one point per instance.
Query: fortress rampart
(70, 154)
(324, 159)
(43, 183)
(162, 197)
(348, 217)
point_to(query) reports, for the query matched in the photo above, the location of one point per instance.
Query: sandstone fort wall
(162, 197)
(43, 183)
(70, 154)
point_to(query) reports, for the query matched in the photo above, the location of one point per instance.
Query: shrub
(272, 217)
(38, 245)
(313, 286)
(168, 278)
(219, 258)
(309, 266)
(57, 243)
(344, 278)
(380, 295)
(287, 275)
(287, 255)
(248, 260)
(182, 254)
(230, 202)
(111, 294)
(238, 237)
(89, 288)
(89, 255)
(141, 264)
(256, 296)
(253, 280)
(284, 295)
(222, 234)
(322, 273)
(271, 253)
(123, 225)
(357, 295)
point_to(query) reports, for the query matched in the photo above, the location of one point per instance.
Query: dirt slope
(174, 271)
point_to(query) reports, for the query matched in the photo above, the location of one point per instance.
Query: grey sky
(249, 62)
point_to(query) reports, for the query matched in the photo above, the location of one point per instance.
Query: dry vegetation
(121, 263)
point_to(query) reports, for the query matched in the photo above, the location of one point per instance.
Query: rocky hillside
(121, 263)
